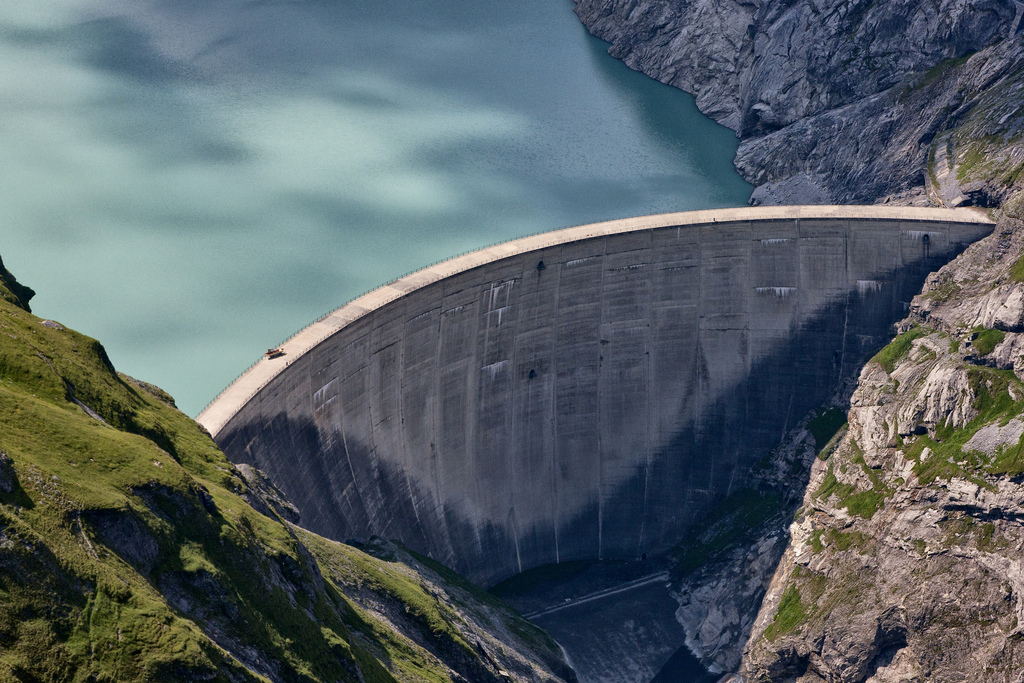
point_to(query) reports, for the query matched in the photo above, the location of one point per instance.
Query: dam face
(587, 393)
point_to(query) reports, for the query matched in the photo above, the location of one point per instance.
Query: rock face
(841, 101)
(715, 605)
(904, 562)
(264, 496)
(8, 477)
(12, 290)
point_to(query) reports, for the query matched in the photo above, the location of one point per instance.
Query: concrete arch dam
(585, 393)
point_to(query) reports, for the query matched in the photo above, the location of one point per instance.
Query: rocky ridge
(843, 101)
(902, 558)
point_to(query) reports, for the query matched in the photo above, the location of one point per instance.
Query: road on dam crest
(581, 394)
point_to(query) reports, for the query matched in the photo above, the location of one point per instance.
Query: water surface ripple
(191, 182)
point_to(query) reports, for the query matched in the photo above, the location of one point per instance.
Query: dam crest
(579, 394)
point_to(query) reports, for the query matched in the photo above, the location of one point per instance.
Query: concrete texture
(500, 415)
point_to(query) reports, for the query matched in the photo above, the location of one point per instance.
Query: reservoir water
(192, 182)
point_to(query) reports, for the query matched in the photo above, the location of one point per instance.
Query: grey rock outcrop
(8, 478)
(14, 291)
(264, 496)
(837, 101)
(718, 603)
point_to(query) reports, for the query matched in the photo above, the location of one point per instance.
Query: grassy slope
(128, 550)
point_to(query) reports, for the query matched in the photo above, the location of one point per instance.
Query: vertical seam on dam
(600, 440)
(555, 453)
(648, 375)
(413, 501)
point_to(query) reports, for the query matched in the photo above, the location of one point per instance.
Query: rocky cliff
(842, 101)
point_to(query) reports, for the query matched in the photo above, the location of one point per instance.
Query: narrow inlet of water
(193, 182)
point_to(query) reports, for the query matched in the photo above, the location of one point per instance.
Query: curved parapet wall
(579, 394)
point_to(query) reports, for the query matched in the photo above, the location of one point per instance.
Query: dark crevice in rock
(127, 536)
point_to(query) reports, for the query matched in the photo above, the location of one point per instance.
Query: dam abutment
(581, 394)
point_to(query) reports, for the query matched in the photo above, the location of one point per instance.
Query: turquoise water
(192, 182)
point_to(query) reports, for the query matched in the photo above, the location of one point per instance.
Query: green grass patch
(1017, 269)
(926, 80)
(872, 474)
(864, 504)
(943, 291)
(453, 578)
(791, 613)
(838, 540)
(889, 356)
(832, 444)
(817, 545)
(1008, 460)
(975, 155)
(525, 630)
(958, 531)
(394, 581)
(944, 461)
(941, 69)
(843, 540)
(986, 340)
(1012, 175)
(830, 486)
(931, 165)
(988, 532)
(948, 458)
(861, 503)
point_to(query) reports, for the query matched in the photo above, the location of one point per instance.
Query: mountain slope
(132, 549)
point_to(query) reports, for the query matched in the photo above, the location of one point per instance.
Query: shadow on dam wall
(512, 415)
